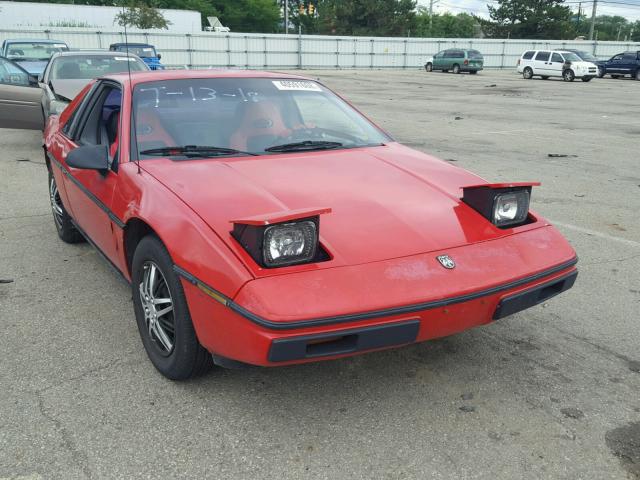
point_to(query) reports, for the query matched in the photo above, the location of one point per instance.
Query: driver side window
(11, 74)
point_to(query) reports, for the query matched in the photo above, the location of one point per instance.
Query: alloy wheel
(56, 202)
(157, 306)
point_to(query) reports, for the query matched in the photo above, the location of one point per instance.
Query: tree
(248, 15)
(608, 27)
(367, 17)
(445, 25)
(143, 16)
(536, 19)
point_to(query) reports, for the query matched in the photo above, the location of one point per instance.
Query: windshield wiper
(194, 151)
(304, 146)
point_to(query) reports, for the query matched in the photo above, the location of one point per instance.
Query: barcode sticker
(297, 85)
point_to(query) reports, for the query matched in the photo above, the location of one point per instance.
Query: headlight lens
(510, 208)
(289, 243)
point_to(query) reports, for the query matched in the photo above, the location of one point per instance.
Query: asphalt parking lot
(553, 392)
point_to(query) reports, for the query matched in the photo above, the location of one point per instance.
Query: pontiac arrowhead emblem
(446, 261)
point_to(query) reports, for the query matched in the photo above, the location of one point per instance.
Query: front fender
(192, 244)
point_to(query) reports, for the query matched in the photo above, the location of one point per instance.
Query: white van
(555, 63)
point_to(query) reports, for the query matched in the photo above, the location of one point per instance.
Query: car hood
(68, 88)
(32, 67)
(386, 202)
(583, 64)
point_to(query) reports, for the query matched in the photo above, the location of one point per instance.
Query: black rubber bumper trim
(119, 223)
(353, 317)
(345, 341)
(534, 296)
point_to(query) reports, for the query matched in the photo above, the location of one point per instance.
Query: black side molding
(345, 341)
(529, 298)
(352, 317)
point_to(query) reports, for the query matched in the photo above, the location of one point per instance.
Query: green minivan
(457, 60)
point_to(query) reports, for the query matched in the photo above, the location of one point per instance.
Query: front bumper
(343, 311)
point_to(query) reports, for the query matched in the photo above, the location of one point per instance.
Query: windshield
(34, 51)
(571, 57)
(247, 115)
(587, 57)
(475, 54)
(86, 67)
(142, 52)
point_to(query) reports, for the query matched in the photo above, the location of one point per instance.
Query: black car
(588, 57)
(625, 63)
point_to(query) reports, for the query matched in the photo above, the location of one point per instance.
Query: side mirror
(33, 81)
(89, 157)
(159, 56)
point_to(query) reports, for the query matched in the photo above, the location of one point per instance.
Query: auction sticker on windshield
(296, 85)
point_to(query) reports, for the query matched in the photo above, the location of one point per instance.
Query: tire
(429, 67)
(544, 77)
(169, 338)
(637, 75)
(527, 73)
(61, 219)
(587, 79)
(600, 73)
(568, 75)
(456, 68)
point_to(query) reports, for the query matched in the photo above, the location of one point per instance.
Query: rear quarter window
(528, 55)
(544, 56)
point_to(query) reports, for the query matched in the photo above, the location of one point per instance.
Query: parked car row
(567, 63)
(50, 74)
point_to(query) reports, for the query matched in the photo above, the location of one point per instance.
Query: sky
(479, 7)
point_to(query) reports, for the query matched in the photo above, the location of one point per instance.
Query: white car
(555, 63)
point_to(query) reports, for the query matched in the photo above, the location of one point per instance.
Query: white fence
(251, 50)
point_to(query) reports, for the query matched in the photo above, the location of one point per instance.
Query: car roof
(32, 40)
(93, 53)
(130, 44)
(160, 75)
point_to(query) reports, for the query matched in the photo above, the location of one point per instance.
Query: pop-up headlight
(504, 205)
(286, 238)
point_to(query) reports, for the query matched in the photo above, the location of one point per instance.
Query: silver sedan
(67, 73)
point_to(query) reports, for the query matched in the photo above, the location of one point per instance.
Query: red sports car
(261, 219)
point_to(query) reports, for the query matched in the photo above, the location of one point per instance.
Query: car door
(20, 97)
(628, 63)
(540, 63)
(614, 65)
(437, 61)
(90, 192)
(555, 65)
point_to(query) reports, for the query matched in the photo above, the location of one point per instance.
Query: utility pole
(431, 4)
(579, 15)
(286, 16)
(593, 19)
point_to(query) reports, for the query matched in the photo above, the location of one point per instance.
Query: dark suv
(625, 63)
